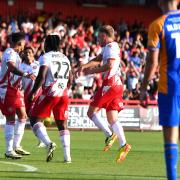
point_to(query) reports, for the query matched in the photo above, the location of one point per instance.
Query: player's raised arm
(152, 61)
(12, 68)
(98, 69)
(151, 67)
(93, 63)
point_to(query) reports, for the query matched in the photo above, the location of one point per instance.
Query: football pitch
(144, 162)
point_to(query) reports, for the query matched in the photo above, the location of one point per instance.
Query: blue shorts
(169, 110)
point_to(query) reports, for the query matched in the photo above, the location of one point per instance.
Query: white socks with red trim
(40, 131)
(65, 140)
(102, 125)
(18, 133)
(9, 136)
(118, 130)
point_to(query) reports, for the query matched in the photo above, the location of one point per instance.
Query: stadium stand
(78, 26)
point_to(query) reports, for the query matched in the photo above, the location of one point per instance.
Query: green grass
(144, 162)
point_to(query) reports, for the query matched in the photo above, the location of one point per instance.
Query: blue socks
(171, 157)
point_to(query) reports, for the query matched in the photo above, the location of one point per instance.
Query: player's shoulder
(158, 23)
(112, 45)
(9, 51)
(8, 54)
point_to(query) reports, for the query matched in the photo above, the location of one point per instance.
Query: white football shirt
(112, 51)
(27, 83)
(58, 73)
(8, 79)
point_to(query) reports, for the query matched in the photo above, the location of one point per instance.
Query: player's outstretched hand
(143, 98)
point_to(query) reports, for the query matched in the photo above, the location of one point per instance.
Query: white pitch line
(28, 168)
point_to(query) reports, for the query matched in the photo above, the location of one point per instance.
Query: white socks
(18, 133)
(65, 140)
(9, 136)
(40, 131)
(102, 125)
(118, 130)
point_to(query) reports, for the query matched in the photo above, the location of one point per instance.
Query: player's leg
(171, 135)
(37, 114)
(41, 133)
(102, 125)
(112, 116)
(60, 112)
(8, 109)
(19, 131)
(47, 122)
(169, 116)
(112, 110)
(100, 100)
(9, 137)
(64, 135)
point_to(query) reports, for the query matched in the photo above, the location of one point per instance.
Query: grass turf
(144, 162)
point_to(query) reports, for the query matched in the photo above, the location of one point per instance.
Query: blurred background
(78, 21)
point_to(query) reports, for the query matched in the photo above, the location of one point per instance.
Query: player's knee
(32, 121)
(61, 125)
(23, 120)
(89, 114)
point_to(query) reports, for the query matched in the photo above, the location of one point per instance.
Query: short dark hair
(16, 37)
(52, 43)
(28, 48)
(108, 30)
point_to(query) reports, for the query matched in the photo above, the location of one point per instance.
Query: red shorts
(45, 104)
(13, 99)
(110, 99)
(29, 104)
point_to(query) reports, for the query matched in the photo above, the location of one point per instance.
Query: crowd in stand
(79, 44)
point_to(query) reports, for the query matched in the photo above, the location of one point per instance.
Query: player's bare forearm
(151, 67)
(40, 79)
(12, 68)
(94, 62)
(100, 69)
(70, 80)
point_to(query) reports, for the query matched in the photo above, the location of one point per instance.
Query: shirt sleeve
(10, 56)
(112, 52)
(154, 33)
(43, 61)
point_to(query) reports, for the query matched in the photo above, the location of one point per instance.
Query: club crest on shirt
(34, 67)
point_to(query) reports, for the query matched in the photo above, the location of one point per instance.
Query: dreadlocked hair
(52, 43)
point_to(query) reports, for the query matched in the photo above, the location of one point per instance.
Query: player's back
(167, 30)
(58, 72)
